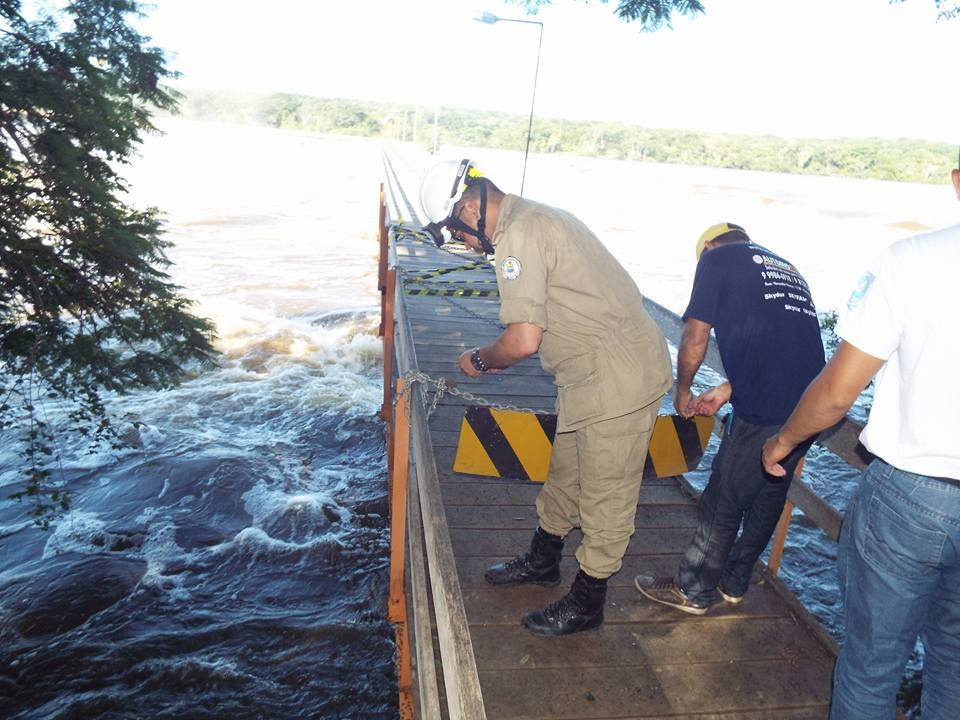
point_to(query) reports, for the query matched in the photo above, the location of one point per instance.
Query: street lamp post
(489, 18)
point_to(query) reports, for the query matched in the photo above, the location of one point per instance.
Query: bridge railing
(419, 530)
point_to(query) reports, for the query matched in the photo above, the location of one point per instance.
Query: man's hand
(825, 401)
(466, 367)
(775, 450)
(693, 348)
(518, 341)
(712, 400)
(683, 402)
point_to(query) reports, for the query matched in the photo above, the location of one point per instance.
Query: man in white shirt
(900, 543)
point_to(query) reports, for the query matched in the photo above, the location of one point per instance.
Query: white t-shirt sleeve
(873, 320)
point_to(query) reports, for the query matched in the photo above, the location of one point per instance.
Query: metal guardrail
(416, 496)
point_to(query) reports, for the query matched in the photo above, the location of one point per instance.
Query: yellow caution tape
(450, 292)
(445, 271)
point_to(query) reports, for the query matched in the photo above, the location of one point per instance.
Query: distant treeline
(902, 160)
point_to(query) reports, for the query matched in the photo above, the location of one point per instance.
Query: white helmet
(443, 185)
(440, 189)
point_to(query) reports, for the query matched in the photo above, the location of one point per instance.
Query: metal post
(386, 411)
(533, 97)
(382, 235)
(396, 606)
(489, 19)
(396, 602)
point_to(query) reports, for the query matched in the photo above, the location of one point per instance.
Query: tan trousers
(594, 484)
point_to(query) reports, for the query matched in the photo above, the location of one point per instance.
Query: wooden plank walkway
(761, 659)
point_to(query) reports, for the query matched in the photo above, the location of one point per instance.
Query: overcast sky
(826, 68)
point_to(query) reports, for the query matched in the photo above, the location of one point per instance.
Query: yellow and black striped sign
(508, 443)
(505, 443)
(676, 445)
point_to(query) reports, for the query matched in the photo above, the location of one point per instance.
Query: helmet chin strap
(480, 233)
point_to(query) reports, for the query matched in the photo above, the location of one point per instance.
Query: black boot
(580, 609)
(539, 566)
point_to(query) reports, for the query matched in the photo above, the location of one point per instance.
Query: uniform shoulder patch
(510, 268)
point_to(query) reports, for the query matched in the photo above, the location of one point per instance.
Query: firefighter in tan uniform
(565, 296)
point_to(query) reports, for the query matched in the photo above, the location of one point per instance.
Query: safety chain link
(441, 388)
(440, 385)
(472, 313)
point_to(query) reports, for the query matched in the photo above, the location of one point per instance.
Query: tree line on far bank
(904, 160)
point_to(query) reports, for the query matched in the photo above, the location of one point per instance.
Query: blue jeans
(899, 579)
(739, 492)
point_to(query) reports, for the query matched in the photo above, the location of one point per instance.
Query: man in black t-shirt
(768, 334)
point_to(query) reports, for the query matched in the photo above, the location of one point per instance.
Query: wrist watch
(478, 364)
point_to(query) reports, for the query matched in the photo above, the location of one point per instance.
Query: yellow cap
(715, 231)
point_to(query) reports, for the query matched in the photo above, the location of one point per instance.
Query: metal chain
(473, 313)
(441, 388)
(440, 385)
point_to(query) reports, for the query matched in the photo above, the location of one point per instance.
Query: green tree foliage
(343, 117)
(85, 305)
(902, 160)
